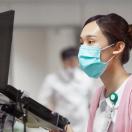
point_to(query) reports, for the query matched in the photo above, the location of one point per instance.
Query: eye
(91, 41)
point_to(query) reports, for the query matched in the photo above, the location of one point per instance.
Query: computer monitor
(6, 33)
(38, 115)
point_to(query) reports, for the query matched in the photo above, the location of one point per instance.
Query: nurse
(106, 43)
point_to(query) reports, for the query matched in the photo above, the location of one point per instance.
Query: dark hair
(115, 28)
(68, 53)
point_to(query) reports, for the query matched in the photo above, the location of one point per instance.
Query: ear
(119, 47)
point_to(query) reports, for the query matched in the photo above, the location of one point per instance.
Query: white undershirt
(103, 112)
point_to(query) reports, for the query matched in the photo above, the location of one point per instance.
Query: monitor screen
(6, 31)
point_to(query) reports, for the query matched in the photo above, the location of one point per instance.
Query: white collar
(119, 92)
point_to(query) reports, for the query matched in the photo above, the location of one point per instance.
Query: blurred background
(43, 28)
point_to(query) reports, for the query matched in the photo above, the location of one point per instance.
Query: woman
(106, 44)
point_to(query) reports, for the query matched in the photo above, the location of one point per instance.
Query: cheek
(106, 55)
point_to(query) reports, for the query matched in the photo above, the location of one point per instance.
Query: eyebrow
(88, 36)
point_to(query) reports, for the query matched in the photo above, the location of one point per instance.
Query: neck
(113, 77)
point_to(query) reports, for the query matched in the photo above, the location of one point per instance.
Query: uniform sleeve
(130, 110)
(46, 94)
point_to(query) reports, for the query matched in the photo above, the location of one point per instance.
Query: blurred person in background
(68, 91)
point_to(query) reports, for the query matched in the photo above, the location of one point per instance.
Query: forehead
(91, 29)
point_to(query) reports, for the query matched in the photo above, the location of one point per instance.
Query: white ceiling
(64, 1)
(63, 12)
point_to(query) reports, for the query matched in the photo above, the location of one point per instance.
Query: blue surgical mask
(90, 61)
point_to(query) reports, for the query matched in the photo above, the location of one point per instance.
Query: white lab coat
(68, 93)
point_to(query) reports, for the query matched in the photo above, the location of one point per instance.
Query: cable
(24, 117)
(17, 101)
(25, 120)
(13, 122)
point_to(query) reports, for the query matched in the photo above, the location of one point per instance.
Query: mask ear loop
(107, 47)
(111, 57)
